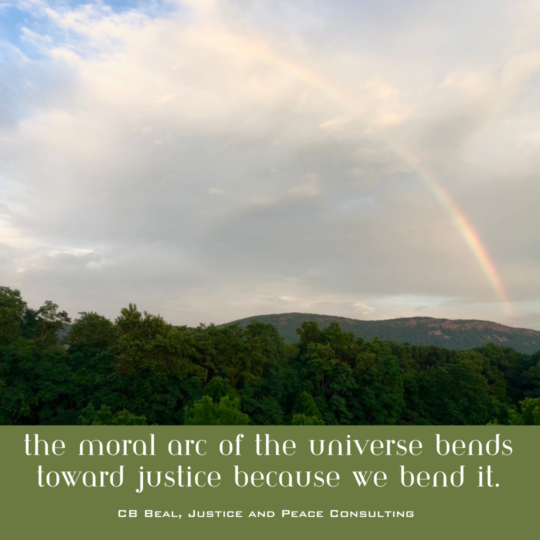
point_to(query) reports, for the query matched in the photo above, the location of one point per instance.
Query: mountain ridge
(448, 333)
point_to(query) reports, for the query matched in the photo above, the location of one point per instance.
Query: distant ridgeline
(140, 369)
(451, 334)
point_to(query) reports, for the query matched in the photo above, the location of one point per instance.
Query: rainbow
(468, 232)
(256, 49)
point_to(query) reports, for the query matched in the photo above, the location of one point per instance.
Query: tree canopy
(139, 369)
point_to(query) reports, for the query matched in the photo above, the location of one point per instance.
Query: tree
(307, 412)
(303, 420)
(104, 417)
(380, 384)
(319, 360)
(38, 385)
(309, 333)
(93, 330)
(530, 413)
(218, 388)
(147, 341)
(47, 321)
(207, 413)
(12, 310)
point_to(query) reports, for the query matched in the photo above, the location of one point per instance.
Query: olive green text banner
(269, 482)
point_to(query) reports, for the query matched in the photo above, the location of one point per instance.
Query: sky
(213, 160)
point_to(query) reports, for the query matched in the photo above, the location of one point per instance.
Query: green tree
(307, 413)
(147, 341)
(530, 413)
(380, 384)
(93, 330)
(303, 420)
(45, 323)
(38, 385)
(207, 413)
(104, 417)
(12, 310)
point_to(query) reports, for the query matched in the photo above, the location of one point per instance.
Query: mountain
(451, 334)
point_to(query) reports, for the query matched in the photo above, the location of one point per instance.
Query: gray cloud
(211, 166)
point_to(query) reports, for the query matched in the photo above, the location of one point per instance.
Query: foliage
(12, 310)
(140, 369)
(104, 417)
(530, 413)
(303, 420)
(207, 413)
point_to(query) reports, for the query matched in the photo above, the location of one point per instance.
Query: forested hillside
(139, 369)
(450, 334)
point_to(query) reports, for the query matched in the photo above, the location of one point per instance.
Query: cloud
(214, 160)
(336, 124)
(305, 191)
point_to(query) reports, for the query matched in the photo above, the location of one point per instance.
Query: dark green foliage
(140, 369)
(93, 330)
(104, 417)
(50, 322)
(306, 412)
(147, 341)
(37, 384)
(380, 384)
(12, 312)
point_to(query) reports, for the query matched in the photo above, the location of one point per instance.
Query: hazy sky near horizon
(212, 160)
